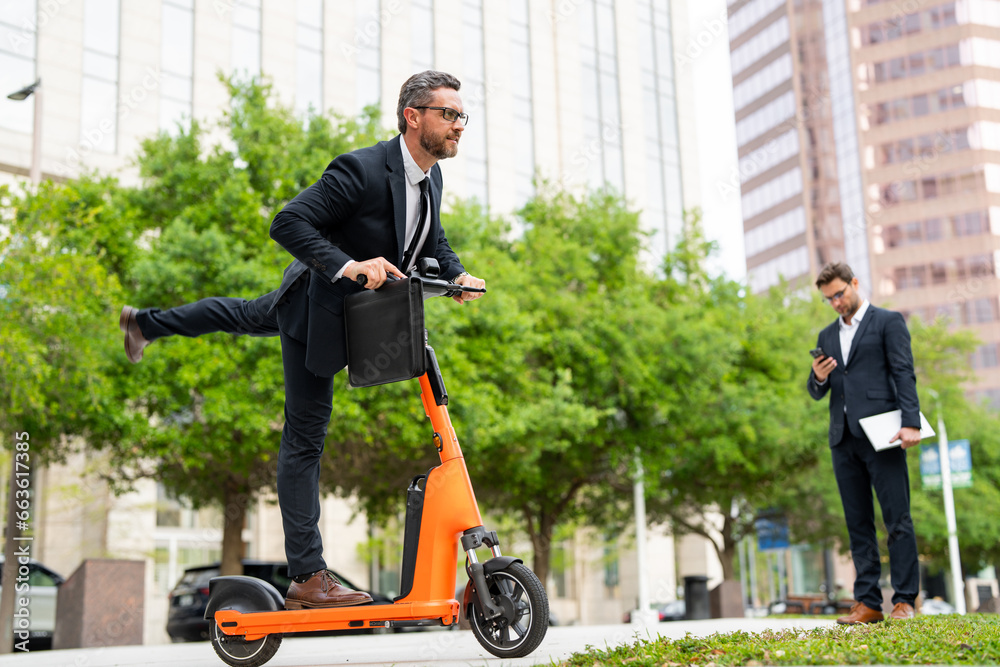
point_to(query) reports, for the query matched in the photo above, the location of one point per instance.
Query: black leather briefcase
(385, 334)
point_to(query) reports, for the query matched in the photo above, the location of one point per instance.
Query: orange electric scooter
(505, 603)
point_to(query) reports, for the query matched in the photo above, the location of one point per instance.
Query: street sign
(960, 458)
(772, 534)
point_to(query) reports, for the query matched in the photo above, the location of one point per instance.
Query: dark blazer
(878, 376)
(356, 210)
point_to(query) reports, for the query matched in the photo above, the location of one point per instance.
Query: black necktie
(411, 250)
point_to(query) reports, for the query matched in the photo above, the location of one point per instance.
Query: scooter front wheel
(236, 651)
(520, 628)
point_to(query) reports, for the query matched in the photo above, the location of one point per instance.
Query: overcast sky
(709, 52)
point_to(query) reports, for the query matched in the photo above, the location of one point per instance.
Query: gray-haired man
(373, 212)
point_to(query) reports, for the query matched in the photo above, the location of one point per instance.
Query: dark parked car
(186, 616)
(667, 611)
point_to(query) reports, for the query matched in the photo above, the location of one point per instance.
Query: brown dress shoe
(861, 613)
(134, 340)
(323, 590)
(902, 610)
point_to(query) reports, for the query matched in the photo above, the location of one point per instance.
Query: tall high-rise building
(869, 132)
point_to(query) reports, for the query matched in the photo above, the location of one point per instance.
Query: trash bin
(696, 605)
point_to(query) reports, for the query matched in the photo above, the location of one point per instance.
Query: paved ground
(402, 649)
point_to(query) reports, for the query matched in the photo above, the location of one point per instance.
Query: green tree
(742, 429)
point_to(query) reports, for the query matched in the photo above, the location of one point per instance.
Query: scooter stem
(444, 433)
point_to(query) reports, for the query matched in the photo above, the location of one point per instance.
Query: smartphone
(817, 352)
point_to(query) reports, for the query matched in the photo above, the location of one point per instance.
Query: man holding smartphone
(863, 360)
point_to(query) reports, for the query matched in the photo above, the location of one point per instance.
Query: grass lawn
(924, 640)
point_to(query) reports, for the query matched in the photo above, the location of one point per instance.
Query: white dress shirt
(848, 331)
(412, 181)
(413, 178)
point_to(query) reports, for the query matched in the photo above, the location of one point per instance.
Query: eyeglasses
(836, 297)
(450, 115)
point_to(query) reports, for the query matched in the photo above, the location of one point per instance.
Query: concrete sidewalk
(439, 647)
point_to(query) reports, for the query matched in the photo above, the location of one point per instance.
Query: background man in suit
(373, 212)
(867, 368)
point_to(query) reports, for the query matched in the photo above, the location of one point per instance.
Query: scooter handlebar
(432, 286)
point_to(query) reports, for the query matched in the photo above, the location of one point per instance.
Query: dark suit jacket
(356, 210)
(878, 376)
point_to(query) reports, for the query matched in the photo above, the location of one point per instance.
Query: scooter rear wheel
(236, 651)
(520, 628)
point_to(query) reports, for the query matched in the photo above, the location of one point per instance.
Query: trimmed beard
(439, 147)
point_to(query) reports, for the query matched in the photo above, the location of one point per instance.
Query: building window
(788, 267)
(99, 93)
(524, 116)
(930, 187)
(369, 24)
(664, 210)
(758, 46)
(245, 53)
(422, 35)
(775, 74)
(919, 63)
(924, 147)
(981, 311)
(602, 131)
(309, 56)
(773, 114)
(775, 191)
(176, 63)
(775, 231)
(18, 48)
(750, 14)
(473, 52)
(985, 357)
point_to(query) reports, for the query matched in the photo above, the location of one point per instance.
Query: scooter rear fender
(244, 594)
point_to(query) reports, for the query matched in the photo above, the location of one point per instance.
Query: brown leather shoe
(902, 611)
(323, 590)
(134, 340)
(861, 613)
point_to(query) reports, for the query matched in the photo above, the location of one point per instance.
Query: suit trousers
(858, 469)
(211, 315)
(308, 404)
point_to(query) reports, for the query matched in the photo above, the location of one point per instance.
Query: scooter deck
(257, 624)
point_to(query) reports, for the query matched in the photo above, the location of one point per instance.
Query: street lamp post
(949, 509)
(643, 614)
(36, 144)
